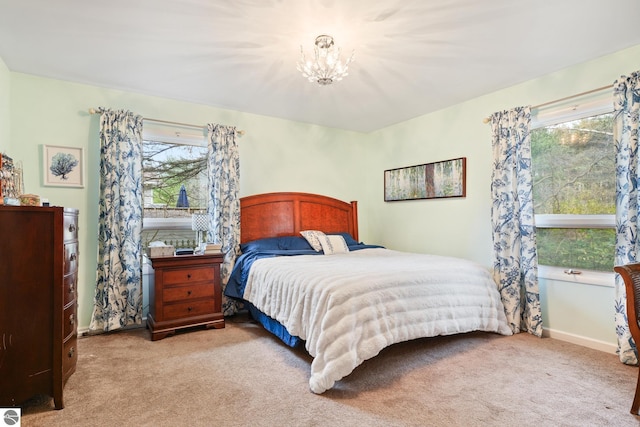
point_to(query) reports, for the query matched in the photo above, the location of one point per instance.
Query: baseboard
(580, 340)
(84, 331)
(546, 332)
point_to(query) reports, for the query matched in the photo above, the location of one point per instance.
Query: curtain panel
(223, 209)
(515, 261)
(626, 104)
(118, 296)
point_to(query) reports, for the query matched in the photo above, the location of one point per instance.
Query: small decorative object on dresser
(186, 292)
(38, 310)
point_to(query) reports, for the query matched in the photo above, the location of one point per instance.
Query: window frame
(553, 114)
(171, 134)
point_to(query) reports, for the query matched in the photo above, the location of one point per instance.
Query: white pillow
(313, 237)
(333, 244)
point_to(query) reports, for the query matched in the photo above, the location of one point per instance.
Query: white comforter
(348, 307)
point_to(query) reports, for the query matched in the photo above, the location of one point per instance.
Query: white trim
(166, 223)
(585, 277)
(173, 134)
(575, 221)
(572, 110)
(580, 340)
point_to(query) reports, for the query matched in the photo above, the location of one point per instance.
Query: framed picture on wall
(62, 166)
(427, 181)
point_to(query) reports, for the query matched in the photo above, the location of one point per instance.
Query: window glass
(573, 167)
(170, 169)
(578, 248)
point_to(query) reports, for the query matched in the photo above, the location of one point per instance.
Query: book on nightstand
(210, 248)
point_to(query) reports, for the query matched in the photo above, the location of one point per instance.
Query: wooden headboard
(286, 214)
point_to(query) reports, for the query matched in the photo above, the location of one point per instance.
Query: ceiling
(411, 57)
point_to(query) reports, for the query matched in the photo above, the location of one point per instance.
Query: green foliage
(169, 166)
(586, 248)
(573, 167)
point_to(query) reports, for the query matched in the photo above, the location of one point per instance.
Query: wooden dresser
(38, 309)
(185, 292)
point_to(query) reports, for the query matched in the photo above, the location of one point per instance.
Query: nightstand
(185, 292)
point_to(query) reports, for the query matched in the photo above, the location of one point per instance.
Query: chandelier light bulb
(327, 67)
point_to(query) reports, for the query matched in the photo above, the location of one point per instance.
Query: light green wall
(276, 155)
(280, 155)
(5, 96)
(461, 227)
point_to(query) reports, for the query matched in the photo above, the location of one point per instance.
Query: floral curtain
(224, 204)
(515, 260)
(626, 104)
(118, 297)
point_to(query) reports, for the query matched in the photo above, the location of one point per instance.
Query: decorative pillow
(333, 244)
(294, 243)
(313, 237)
(348, 239)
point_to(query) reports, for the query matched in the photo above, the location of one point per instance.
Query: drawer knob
(72, 257)
(189, 293)
(72, 228)
(72, 351)
(72, 319)
(189, 309)
(188, 276)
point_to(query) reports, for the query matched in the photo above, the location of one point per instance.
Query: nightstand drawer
(186, 292)
(189, 292)
(187, 275)
(188, 309)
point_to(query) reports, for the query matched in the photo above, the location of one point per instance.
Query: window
(573, 163)
(169, 164)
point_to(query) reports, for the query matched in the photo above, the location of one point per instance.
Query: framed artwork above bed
(435, 180)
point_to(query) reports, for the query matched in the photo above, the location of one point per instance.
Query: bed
(345, 300)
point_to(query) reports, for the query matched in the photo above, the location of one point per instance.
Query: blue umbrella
(183, 201)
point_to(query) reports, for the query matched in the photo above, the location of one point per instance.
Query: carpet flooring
(243, 376)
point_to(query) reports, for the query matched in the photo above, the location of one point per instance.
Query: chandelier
(327, 66)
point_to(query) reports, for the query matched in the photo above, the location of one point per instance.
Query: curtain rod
(167, 122)
(566, 98)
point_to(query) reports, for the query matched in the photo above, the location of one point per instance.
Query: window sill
(587, 277)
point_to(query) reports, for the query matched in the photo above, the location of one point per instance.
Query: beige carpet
(243, 376)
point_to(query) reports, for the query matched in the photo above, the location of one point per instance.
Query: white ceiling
(411, 57)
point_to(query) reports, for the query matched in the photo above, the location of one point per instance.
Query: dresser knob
(71, 319)
(189, 293)
(72, 257)
(72, 228)
(189, 309)
(188, 276)
(72, 351)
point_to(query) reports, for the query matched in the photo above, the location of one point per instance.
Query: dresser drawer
(188, 292)
(70, 258)
(69, 288)
(188, 309)
(69, 357)
(187, 275)
(70, 231)
(69, 320)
